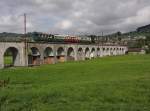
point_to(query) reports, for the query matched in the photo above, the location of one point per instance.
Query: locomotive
(43, 37)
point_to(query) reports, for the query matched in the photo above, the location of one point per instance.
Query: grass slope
(108, 84)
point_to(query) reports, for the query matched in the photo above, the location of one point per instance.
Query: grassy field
(8, 60)
(107, 84)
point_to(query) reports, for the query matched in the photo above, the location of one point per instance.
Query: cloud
(74, 17)
(64, 25)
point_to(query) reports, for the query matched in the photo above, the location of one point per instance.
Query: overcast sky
(74, 16)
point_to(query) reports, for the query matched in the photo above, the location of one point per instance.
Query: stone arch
(87, 53)
(117, 51)
(11, 57)
(107, 51)
(111, 51)
(34, 56)
(48, 56)
(70, 54)
(98, 51)
(104, 51)
(92, 54)
(80, 54)
(122, 50)
(61, 54)
(114, 51)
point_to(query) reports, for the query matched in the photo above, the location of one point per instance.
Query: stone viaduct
(46, 53)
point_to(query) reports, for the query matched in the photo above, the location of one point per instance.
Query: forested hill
(144, 29)
(140, 31)
(7, 34)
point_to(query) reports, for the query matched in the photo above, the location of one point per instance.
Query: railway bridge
(30, 54)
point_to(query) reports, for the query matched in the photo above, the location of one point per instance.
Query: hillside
(140, 31)
(144, 29)
(6, 36)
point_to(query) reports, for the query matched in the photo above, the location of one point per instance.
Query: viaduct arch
(12, 56)
(80, 53)
(87, 53)
(93, 53)
(49, 56)
(61, 54)
(70, 54)
(34, 56)
(98, 52)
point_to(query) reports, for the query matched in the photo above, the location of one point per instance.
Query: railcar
(43, 37)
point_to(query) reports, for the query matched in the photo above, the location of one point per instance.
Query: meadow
(120, 83)
(8, 60)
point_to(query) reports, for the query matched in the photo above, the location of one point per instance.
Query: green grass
(8, 60)
(119, 83)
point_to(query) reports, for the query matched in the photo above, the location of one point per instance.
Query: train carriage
(44, 37)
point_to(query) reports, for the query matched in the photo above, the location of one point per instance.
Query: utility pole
(25, 40)
(25, 29)
(102, 38)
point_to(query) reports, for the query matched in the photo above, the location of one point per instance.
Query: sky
(74, 16)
